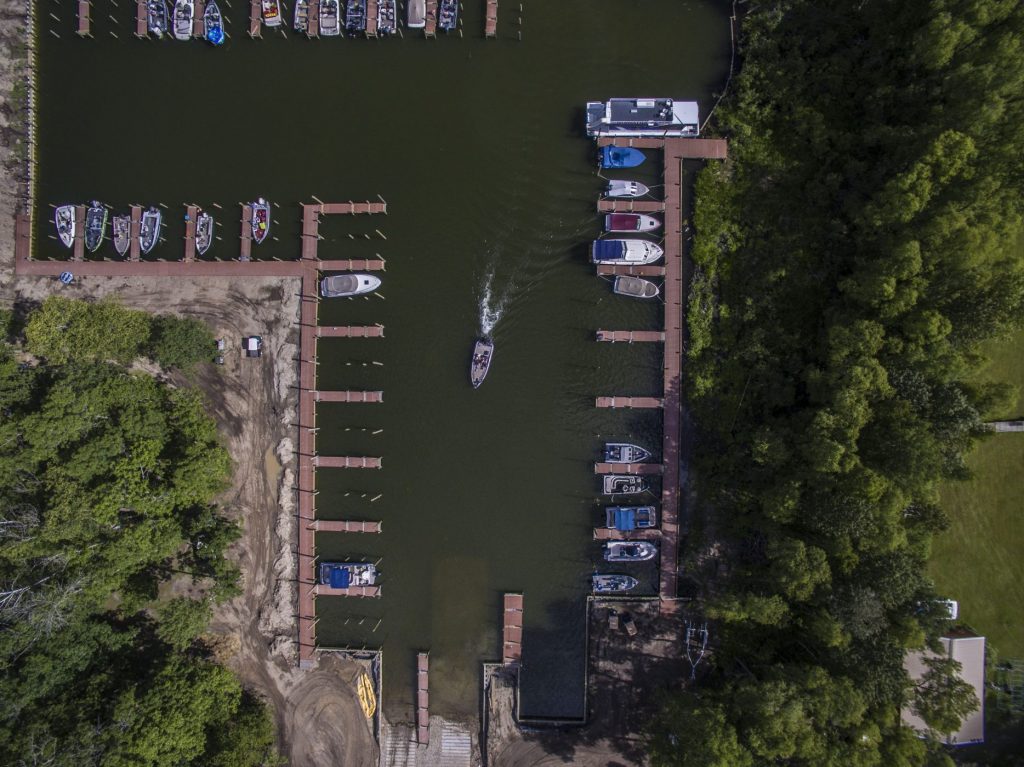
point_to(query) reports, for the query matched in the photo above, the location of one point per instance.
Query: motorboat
(622, 484)
(635, 287)
(626, 189)
(300, 21)
(95, 226)
(149, 232)
(448, 15)
(271, 12)
(621, 157)
(416, 14)
(605, 583)
(624, 452)
(64, 218)
(213, 24)
(656, 118)
(629, 551)
(343, 575)
(260, 220)
(387, 17)
(184, 10)
(483, 352)
(156, 17)
(122, 234)
(341, 285)
(330, 18)
(204, 232)
(630, 222)
(627, 252)
(355, 17)
(626, 518)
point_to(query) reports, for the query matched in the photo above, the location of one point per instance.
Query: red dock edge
(371, 18)
(491, 19)
(512, 631)
(430, 23)
(245, 246)
(423, 698)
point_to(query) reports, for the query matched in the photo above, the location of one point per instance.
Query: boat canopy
(608, 249)
(625, 519)
(340, 578)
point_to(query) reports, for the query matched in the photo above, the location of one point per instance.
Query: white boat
(387, 17)
(330, 18)
(635, 287)
(617, 188)
(605, 583)
(629, 551)
(122, 234)
(64, 218)
(204, 232)
(344, 575)
(622, 484)
(624, 452)
(627, 252)
(341, 285)
(483, 353)
(149, 232)
(416, 14)
(184, 10)
(630, 222)
(300, 21)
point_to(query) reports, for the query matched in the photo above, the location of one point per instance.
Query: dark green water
(478, 148)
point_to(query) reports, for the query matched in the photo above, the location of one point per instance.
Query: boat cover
(621, 157)
(340, 578)
(608, 249)
(629, 222)
(625, 519)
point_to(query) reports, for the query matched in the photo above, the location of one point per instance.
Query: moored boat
(300, 21)
(629, 551)
(617, 188)
(626, 518)
(330, 18)
(628, 252)
(260, 220)
(355, 17)
(341, 285)
(605, 583)
(343, 575)
(622, 484)
(416, 14)
(624, 452)
(213, 23)
(448, 15)
(387, 17)
(621, 157)
(635, 287)
(149, 231)
(183, 12)
(156, 17)
(271, 12)
(483, 352)
(95, 226)
(64, 218)
(630, 222)
(122, 234)
(204, 232)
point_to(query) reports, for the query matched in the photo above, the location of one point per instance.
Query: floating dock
(430, 23)
(191, 214)
(423, 698)
(245, 244)
(371, 18)
(608, 205)
(141, 18)
(631, 336)
(491, 19)
(647, 534)
(134, 231)
(84, 20)
(255, 18)
(350, 331)
(345, 526)
(346, 462)
(198, 24)
(78, 252)
(311, 213)
(629, 402)
(628, 468)
(647, 270)
(349, 396)
(512, 630)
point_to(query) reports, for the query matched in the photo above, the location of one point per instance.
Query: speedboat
(343, 575)
(64, 218)
(355, 17)
(122, 234)
(628, 252)
(629, 551)
(330, 24)
(213, 23)
(260, 220)
(626, 518)
(635, 287)
(625, 189)
(156, 17)
(630, 222)
(622, 484)
(149, 232)
(483, 352)
(204, 232)
(183, 12)
(95, 226)
(621, 157)
(604, 583)
(387, 17)
(624, 452)
(271, 12)
(341, 285)
(300, 22)
(448, 15)
(416, 14)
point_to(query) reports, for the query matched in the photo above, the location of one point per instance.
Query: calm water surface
(478, 149)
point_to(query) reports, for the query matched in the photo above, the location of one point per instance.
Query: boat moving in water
(122, 234)
(341, 285)
(621, 157)
(260, 220)
(355, 17)
(342, 575)
(387, 17)
(625, 189)
(64, 218)
(622, 484)
(271, 12)
(183, 13)
(483, 352)
(605, 583)
(330, 18)
(448, 15)
(630, 222)
(629, 551)
(213, 24)
(300, 21)
(95, 226)
(416, 14)
(204, 232)
(624, 452)
(628, 252)
(156, 17)
(149, 232)
(635, 287)
(626, 518)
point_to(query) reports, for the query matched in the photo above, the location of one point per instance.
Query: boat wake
(491, 308)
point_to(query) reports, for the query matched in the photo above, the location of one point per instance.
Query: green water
(477, 146)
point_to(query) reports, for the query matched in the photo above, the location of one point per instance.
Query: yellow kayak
(366, 697)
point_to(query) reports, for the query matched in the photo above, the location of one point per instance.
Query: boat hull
(387, 17)
(610, 584)
(448, 15)
(483, 353)
(622, 484)
(122, 234)
(416, 14)
(213, 24)
(204, 232)
(330, 18)
(95, 227)
(64, 219)
(624, 452)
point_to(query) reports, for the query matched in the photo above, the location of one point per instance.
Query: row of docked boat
(180, 20)
(333, 16)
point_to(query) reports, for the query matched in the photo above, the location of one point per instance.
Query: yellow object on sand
(366, 697)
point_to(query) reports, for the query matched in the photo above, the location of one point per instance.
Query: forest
(849, 258)
(112, 549)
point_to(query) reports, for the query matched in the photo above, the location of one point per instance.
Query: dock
(647, 534)
(607, 205)
(631, 336)
(84, 18)
(350, 331)
(345, 526)
(135, 246)
(255, 18)
(512, 630)
(430, 23)
(311, 213)
(22, 237)
(423, 698)
(353, 265)
(141, 18)
(628, 468)
(346, 462)
(372, 592)
(349, 396)
(198, 24)
(629, 402)
(647, 270)
(78, 253)
(491, 19)
(371, 18)
(245, 245)
(191, 213)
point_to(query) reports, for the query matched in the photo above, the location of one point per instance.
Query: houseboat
(626, 252)
(660, 118)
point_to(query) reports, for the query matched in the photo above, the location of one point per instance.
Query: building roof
(969, 650)
(642, 117)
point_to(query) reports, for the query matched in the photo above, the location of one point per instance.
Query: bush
(180, 342)
(64, 328)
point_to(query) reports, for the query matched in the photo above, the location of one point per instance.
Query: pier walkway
(346, 526)
(349, 396)
(491, 19)
(84, 20)
(346, 462)
(512, 630)
(350, 331)
(141, 18)
(631, 336)
(630, 402)
(135, 229)
(423, 698)
(430, 23)
(628, 468)
(321, 590)
(245, 236)
(255, 18)
(647, 270)
(198, 25)
(191, 213)
(607, 205)
(78, 251)
(605, 534)
(371, 18)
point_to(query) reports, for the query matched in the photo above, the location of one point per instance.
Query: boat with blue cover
(625, 252)
(629, 551)
(627, 518)
(95, 226)
(213, 24)
(606, 583)
(621, 157)
(448, 15)
(355, 17)
(343, 575)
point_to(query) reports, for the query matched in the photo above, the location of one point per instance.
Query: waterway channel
(477, 147)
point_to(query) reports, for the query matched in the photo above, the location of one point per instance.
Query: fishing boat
(204, 232)
(635, 287)
(149, 232)
(387, 17)
(416, 14)
(622, 484)
(184, 10)
(621, 157)
(213, 24)
(483, 352)
(626, 518)
(343, 575)
(300, 21)
(341, 285)
(122, 234)
(628, 252)
(95, 226)
(156, 17)
(64, 218)
(605, 583)
(624, 452)
(271, 12)
(330, 24)
(626, 189)
(448, 15)
(260, 220)
(629, 551)
(355, 17)
(630, 222)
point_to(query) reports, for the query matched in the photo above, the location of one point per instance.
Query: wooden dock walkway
(647, 534)
(352, 265)
(22, 237)
(606, 205)
(255, 18)
(676, 148)
(78, 252)
(311, 212)
(631, 336)
(313, 21)
(84, 18)
(245, 241)
(423, 698)
(134, 230)
(141, 18)
(350, 331)
(345, 526)
(630, 402)
(306, 480)
(349, 396)
(371, 18)
(430, 23)
(346, 462)
(198, 26)
(512, 630)
(372, 592)
(491, 19)
(628, 468)
(647, 270)
(191, 214)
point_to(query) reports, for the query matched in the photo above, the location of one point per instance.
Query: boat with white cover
(343, 575)
(149, 232)
(606, 583)
(618, 188)
(204, 232)
(64, 218)
(624, 452)
(341, 285)
(622, 484)
(629, 551)
(122, 234)
(416, 14)
(626, 252)
(630, 222)
(184, 10)
(483, 353)
(635, 287)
